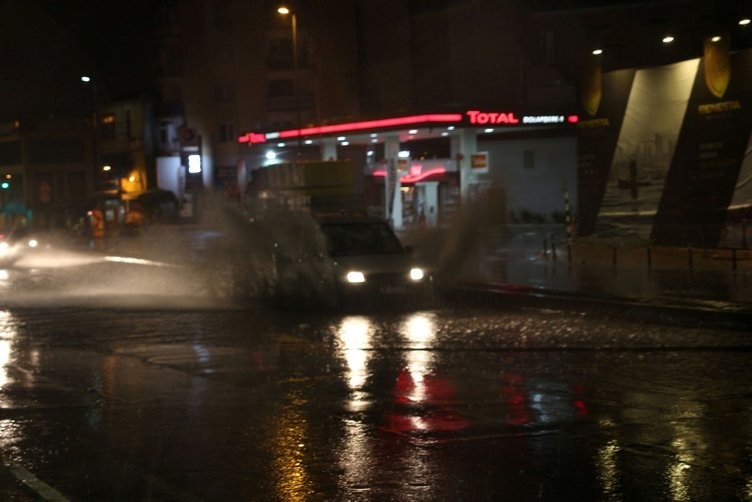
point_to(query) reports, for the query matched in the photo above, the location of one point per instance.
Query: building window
(545, 54)
(528, 159)
(128, 125)
(222, 16)
(107, 127)
(167, 13)
(164, 136)
(10, 153)
(56, 150)
(281, 88)
(224, 92)
(227, 132)
(279, 55)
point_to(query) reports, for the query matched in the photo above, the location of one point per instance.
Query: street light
(286, 11)
(87, 80)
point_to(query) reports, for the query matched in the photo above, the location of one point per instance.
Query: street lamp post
(285, 11)
(94, 136)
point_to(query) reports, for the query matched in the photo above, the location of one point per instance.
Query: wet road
(158, 402)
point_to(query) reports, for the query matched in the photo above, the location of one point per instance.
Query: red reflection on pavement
(429, 389)
(423, 405)
(444, 420)
(514, 397)
(578, 402)
(580, 407)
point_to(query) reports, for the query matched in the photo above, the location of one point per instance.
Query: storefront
(429, 191)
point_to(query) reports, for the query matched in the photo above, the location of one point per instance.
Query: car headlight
(33, 243)
(355, 277)
(4, 248)
(416, 274)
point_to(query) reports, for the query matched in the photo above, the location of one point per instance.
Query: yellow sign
(479, 160)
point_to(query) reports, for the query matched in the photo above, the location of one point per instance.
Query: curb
(725, 314)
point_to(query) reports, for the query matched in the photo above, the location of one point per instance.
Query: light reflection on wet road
(451, 404)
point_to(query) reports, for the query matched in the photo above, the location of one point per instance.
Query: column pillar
(392, 188)
(463, 145)
(430, 203)
(329, 149)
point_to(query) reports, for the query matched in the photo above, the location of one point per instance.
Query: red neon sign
(412, 178)
(353, 126)
(483, 118)
(475, 117)
(252, 137)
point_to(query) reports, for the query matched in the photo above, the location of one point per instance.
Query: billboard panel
(604, 100)
(649, 132)
(705, 172)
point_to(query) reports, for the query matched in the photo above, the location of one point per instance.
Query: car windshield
(361, 238)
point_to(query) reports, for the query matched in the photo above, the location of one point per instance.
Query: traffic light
(4, 194)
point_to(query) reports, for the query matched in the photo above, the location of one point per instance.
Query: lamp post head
(284, 10)
(86, 79)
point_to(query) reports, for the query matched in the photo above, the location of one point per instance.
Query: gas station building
(422, 167)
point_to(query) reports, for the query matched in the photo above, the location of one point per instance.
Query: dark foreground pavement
(455, 403)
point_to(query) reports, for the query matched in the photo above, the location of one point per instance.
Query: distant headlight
(33, 243)
(355, 277)
(416, 274)
(4, 248)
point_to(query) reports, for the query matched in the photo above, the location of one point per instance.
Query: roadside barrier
(689, 258)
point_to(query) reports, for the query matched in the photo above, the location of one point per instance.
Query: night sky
(117, 35)
(46, 45)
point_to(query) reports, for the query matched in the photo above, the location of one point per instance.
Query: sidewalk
(540, 259)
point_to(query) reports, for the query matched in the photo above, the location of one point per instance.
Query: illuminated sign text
(483, 118)
(594, 123)
(477, 117)
(719, 107)
(543, 119)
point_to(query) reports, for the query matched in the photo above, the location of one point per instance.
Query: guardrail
(647, 257)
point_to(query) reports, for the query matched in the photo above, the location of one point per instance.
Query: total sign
(477, 117)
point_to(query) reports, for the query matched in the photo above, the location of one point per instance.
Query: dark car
(16, 244)
(370, 265)
(334, 260)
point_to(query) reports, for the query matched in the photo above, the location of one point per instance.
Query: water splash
(232, 257)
